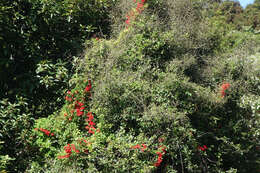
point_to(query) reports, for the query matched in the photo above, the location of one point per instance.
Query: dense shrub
(151, 113)
(38, 39)
(177, 98)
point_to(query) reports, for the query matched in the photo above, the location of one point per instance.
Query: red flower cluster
(160, 155)
(224, 87)
(68, 149)
(47, 132)
(203, 148)
(89, 86)
(79, 108)
(91, 124)
(142, 148)
(139, 9)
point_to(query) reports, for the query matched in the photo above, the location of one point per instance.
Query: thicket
(38, 39)
(174, 89)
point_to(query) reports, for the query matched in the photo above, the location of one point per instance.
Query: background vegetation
(129, 86)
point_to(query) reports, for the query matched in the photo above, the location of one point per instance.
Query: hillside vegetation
(129, 86)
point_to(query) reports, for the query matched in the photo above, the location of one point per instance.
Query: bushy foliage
(179, 98)
(151, 112)
(37, 40)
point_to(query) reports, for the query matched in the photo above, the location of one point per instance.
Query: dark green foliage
(35, 30)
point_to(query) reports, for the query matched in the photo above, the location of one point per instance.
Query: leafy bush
(16, 121)
(152, 98)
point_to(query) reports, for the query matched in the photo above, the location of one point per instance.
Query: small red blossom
(80, 111)
(224, 87)
(142, 147)
(136, 146)
(160, 155)
(88, 87)
(78, 105)
(90, 116)
(127, 22)
(91, 123)
(202, 148)
(163, 149)
(68, 98)
(47, 132)
(159, 159)
(90, 131)
(68, 149)
(139, 6)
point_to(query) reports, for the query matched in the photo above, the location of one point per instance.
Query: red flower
(128, 20)
(90, 116)
(159, 159)
(136, 146)
(68, 149)
(80, 111)
(144, 147)
(47, 132)
(78, 105)
(74, 148)
(90, 131)
(91, 123)
(68, 98)
(160, 154)
(224, 87)
(143, 1)
(88, 87)
(139, 7)
(202, 148)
